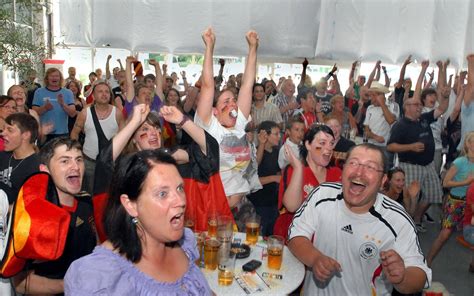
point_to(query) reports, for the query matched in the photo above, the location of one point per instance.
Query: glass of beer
(275, 244)
(224, 228)
(252, 228)
(212, 225)
(211, 247)
(200, 236)
(226, 267)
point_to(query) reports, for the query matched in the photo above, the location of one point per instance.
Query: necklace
(9, 165)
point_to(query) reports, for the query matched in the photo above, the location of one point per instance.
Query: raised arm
(120, 140)
(419, 82)
(429, 83)
(185, 81)
(403, 69)
(120, 63)
(469, 93)
(293, 195)
(443, 91)
(372, 74)
(107, 67)
(173, 115)
(351, 74)
(303, 73)
(158, 79)
(204, 108)
(387, 79)
(244, 100)
(129, 79)
(377, 74)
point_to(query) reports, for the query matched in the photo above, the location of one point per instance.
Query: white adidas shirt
(355, 241)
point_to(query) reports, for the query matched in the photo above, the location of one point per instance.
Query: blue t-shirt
(463, 169)
(57, 115)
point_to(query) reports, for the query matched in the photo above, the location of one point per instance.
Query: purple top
(106, 273)
(155, 105)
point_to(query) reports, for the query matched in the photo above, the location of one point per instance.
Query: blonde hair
(49, 72)
(469, 138)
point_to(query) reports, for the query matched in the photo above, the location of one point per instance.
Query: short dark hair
(149, 77)
(129, 176)
(26, 123)
(309, 137)
(426, 92)
(47, 151)
(294, 119)
(267, 126)
(5, 99)
(373, 147)
(152, 119)
(257, 85)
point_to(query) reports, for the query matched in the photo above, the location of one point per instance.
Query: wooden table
(292, 270)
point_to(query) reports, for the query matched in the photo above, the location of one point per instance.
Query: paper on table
(251, 282)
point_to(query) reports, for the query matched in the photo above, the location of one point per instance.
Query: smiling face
(67, 170)
(226, 109)
(161, 205)
(147, 137)
(274, 137)
(413, 108)
(54, 80)
(296, 132)
(397, 182)
(172, 98)
(18, 93)
(430, 100)
(320, 149)
(362, 177)
(308, 103)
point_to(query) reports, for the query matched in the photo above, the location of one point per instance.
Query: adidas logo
(347, 228)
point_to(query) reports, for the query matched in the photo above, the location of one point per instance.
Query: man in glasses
(356, 240)
(412, 138)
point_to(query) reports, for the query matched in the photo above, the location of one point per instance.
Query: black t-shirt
(343, 145)
(399, 93)
(80, 241)
(406, 131)
(13, 172)
(325, 103)
(268, 195)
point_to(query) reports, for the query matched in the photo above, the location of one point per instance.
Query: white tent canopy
(336, 30)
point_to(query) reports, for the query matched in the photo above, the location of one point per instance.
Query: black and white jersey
(355, 241)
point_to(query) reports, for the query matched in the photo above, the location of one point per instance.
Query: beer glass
(211, 247)
(252, 228)
(275, 244)
(226, 267)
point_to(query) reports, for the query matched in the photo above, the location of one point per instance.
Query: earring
(135, 220)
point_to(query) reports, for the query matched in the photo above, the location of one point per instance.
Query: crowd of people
(346, 178)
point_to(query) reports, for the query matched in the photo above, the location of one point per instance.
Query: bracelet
(184, 120)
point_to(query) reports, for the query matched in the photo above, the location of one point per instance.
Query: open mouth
(177, 221)
(74, 180)
(357, 186)
(233, 113)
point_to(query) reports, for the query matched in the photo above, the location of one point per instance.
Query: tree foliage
(21, 37)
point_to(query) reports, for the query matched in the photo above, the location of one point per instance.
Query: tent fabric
(323, 29)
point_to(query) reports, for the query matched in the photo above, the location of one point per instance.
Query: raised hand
(334, 68)
(183, 74)
(305, 62)
(164, 67)
(209, 37)
(140, 112)
(354, 64)
(393, 266)
(153, 62)
(445, 91)
(171, 114)
(377, 64)
(293, 159)
(413, 189)
(130, 59)
(446, 63)
(325, 267)
(222, 62)
(252, 38)
(425, 64)
(439, 64)
(407, 61)
(109, 57)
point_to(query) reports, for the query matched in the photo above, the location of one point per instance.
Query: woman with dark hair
(302, 176)
(144, 222)
(79, 103)
(395, 189)
(172, 134)
(198, 161)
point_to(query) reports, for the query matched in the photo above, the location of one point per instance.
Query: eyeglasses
(371, 168)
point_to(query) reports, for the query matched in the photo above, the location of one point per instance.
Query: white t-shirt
(234, 153)
(376, 121)
(355, 241)
(282, 160)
